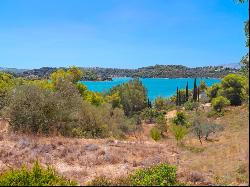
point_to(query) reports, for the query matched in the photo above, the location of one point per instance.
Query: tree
(201, 127)
(133, 96)
(195, 91)
(161, 124)
(180, 119)
(177, 97)
(198, 94)
(187, 91)
(219, 103)
(149, 104)
(234, 88)
(179, 132)
(212, 91)
(203, 86)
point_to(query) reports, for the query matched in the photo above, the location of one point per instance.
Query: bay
(156, 87)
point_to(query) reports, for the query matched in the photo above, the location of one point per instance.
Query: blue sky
(121, 33)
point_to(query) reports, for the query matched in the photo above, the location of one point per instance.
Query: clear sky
(121, 33)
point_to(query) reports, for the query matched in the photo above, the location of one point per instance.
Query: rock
(196, 176)
(23, 143)
(91, 147)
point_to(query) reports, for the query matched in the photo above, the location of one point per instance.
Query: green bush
(37, 176)
(203, 86)
(155, 134)
(161, 124)
(180, 119)
(100, 181)
(133, 96)
(158, 175)
(150, 115)
(212, 91)
(234, 88)
(164, 103)
(179, 132)
(189, 105)
(63, 111)
(219, 103)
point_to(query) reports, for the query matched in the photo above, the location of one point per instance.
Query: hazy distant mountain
(232, 65)
(13, 70)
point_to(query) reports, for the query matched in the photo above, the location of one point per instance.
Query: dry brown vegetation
(222, 160)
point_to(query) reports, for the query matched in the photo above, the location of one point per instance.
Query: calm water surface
(163, 87)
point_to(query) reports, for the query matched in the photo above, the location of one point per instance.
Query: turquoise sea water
(163, 87)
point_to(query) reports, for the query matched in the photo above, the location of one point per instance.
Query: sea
(156, 87)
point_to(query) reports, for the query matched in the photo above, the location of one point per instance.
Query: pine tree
(149, 104)
(177, 97)
(195, 91)
(187, 91)
(198, 94)
(180, 100)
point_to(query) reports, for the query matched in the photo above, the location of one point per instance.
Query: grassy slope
(216, 161)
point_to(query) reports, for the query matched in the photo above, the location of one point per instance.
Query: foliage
(6, 84)
(212, 91)
(201, 127)
(179, 132)
(180, 119)
(73, 74)
(100, 181)
(133, 96)
(161, 124)
(219, 103)
(37, 176)
(34, 110)
(82, 89)
(190, 105)
(202, 86)
(155, 134)
(94, 98)
(233, 87)
(158, 175)
(150, 115)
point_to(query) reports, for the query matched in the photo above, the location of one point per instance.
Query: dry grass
(224, 161)
(221, 158)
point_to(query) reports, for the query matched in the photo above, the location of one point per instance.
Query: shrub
(158, 175)
(212, 91)
(203, 86)
(234, 88)
(100, 181)
(180, 119)
(37, 176)
(179, 132)
(155, 134)
(189, 105)
(201, 128)
(150, 115)
(219, 103)
(133, 96)
(161, 124)
(35, 110)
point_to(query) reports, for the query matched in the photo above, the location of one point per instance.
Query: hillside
(221, 161)
(159, 71)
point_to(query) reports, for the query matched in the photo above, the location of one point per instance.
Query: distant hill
(233, 65)
(159, 71)
(13, 70)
